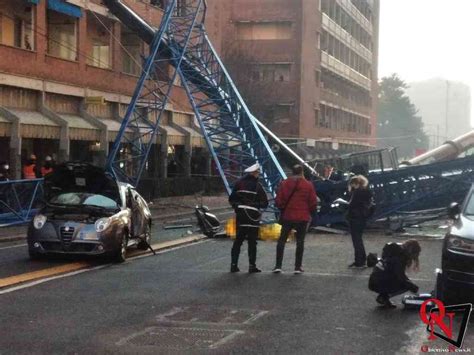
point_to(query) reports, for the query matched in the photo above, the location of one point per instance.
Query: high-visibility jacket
(29, 171)
(45, 170)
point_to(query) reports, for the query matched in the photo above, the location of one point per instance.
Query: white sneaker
(277, 270)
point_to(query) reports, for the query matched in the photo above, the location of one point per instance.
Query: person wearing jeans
(296, 199)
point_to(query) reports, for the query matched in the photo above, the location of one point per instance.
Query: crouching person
(388, 278)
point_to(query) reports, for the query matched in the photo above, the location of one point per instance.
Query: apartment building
(67, 73)
(307, 68)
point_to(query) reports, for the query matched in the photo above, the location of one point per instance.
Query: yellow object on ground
(231, 228)
(266, 231)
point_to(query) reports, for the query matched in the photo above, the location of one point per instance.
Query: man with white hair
(247, 198)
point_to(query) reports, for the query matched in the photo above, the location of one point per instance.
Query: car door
(139, 220)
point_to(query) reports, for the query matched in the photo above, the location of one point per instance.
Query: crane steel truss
(129, 155)
(231, 132)
(414, 188)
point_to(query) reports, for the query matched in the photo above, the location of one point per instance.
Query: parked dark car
(86, 211)
(455, 281)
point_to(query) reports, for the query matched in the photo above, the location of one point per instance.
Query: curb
(178, 242)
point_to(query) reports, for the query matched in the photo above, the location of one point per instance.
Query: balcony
(336, 66)
(342, 35)
(332, 97)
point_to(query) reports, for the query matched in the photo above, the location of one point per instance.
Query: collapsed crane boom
(234, 136)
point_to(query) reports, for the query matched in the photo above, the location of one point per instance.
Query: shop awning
(36, 125)
(80, 129)
(64, 8)
(174, 136)
(113, 127)
(197, 139)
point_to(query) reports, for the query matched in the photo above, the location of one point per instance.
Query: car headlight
(39, 221)
(102, 224)
(461, 244)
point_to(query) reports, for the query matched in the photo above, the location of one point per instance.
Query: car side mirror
(454, 210)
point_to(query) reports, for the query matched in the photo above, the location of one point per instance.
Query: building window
(317, 77)
(16, 26)
(100, 54)
(264, 30)
(316, 117)
(158, 3)
(131, 52)
(62, 35)
(282, 113)
(272, 72)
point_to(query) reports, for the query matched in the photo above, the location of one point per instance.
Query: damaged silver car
(86, 211)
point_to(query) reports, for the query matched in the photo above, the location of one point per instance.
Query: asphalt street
(184, 300)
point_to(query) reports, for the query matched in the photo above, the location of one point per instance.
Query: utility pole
(447, 110)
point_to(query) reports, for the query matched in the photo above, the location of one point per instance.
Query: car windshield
(469, 211)
(84, 199)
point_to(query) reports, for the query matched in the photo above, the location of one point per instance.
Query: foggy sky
(422, 39)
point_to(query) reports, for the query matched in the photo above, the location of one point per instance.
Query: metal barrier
(19, 200)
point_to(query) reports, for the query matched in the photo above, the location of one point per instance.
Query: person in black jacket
(358, 213)
(247, 198)
(388, 278)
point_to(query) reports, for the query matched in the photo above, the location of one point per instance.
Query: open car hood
(80, 177)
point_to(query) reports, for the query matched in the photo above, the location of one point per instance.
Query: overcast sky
(422, 39)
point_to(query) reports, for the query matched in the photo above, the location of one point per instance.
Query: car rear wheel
(121, 253)
(143, 245)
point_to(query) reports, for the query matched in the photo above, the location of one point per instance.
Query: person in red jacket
(296, 199)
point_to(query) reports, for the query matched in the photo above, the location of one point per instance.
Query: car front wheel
(121, 253)
(144, 244)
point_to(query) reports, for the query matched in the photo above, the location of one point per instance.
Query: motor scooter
(208, 222)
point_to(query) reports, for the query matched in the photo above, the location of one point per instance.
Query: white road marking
(14, 246)
(38, 282)
(255, 317)
(227, 339)
(417, 336)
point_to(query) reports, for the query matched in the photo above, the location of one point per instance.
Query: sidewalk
(162, 210)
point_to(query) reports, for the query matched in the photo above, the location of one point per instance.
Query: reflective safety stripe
(248, 225)
(248, 192)
(248, 207)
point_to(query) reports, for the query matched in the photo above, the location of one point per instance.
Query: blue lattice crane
(129, 155)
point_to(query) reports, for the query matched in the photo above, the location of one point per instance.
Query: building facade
(307, 68)
(68, 70)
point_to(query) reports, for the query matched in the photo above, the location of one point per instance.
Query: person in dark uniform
(388, 278)
(357, 215)
(247, 198)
